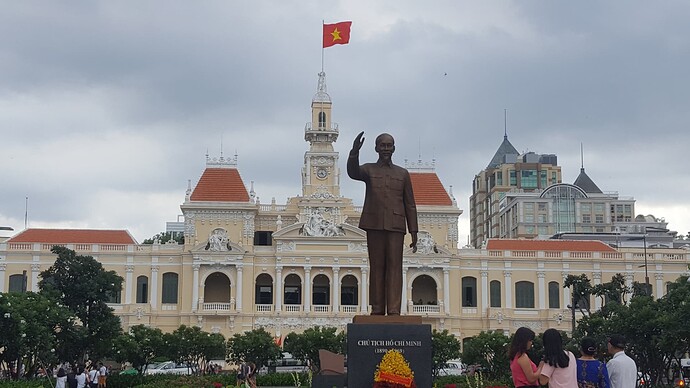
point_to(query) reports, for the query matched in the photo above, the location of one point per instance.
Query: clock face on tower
(321, 173)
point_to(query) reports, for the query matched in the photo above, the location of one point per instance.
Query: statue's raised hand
(359, 140)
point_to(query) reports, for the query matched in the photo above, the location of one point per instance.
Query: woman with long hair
(525, 372)
(560, 369)
(591, 373)
(61, 378)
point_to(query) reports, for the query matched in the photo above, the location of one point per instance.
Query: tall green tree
(444, 347)
(193, 346)
(490, 351)
(140, 346)
(32, 328)
(255, 346)
(306, 346)
(82, 285)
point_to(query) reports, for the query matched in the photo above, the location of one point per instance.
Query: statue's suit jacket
(389, 202)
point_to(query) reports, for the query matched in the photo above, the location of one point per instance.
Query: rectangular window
(469, 292)
(513, 178)
(265, 295)
(543, 178)
(292, 295)
(528, 179)
(495, 293)
(529, 206)
(169, 295)
(263, 237)
(586, 208)
(554, 178)
(541, 218)
(529, 217)
(586, 219)
(499, 178)
(599, 208)
(542, 207)
(599, 219)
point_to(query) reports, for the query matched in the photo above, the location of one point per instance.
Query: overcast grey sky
(108, 108)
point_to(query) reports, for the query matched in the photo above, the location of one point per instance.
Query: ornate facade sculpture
(426, 244)
(317, 226)
(218, 241)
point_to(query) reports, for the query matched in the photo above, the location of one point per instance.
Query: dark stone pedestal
(328, 381)
(370, 337)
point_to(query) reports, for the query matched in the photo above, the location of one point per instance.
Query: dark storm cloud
(103, 103)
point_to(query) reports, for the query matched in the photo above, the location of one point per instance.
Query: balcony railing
(263, 308)
(216, 306)
(321, 308)
(425, 309)
(293, 308)
(349, 309)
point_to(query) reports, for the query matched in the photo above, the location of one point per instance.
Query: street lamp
(646, 273)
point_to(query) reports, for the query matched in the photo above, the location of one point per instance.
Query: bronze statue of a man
(388, 207)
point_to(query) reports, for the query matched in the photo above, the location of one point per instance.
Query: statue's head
(385, 146)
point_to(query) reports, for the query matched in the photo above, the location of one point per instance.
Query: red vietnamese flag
(338, 33)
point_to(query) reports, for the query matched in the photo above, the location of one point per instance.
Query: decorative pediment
(296, 232)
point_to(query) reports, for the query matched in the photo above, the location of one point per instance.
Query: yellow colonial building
(288, 267)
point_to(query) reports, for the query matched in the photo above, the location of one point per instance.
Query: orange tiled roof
(74, 236)
(220, 185)
(428, 189)
(548, 245)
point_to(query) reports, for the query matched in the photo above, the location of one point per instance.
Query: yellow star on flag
(336, 34)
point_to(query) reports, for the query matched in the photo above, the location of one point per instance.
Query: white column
(307, 288)
(238, 298)
(335, 293)
(403, 301)
(154, 287)
(279, 288)
(446, 290)
(364, 307)
(35, 269)
(129, 269)
(195, 287)
(542, 290)
(509, 289)
(485, 290)
(3, 266)
(659, 284)
(597, 281)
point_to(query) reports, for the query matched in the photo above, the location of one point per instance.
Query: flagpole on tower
(323, 23)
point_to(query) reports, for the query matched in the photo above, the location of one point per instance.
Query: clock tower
(320, 174)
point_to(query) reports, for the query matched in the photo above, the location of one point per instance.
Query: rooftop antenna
(582, 157)
(26, 213)
(505, 123)
(419, 148)
(221, 145)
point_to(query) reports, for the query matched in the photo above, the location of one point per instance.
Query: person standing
(560, 367)
(523, 370)
(93, 376)
(81, 378)
(102, 373)
(388, 207)
(591, 373)
(622, 369)
(61, 378)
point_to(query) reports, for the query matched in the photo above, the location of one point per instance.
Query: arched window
(169, 287)
(554, 295)
(142, 289)
(424, 290)
(348, 293)
(217, 288)
(263, 292)
(321, 293)
(293, 289)
(16, 283)
(495, 293)
(469, 291)
(524, 295)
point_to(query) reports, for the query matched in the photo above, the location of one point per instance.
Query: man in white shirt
(622, 369)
